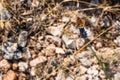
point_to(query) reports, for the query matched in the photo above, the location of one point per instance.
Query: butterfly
(80, 24)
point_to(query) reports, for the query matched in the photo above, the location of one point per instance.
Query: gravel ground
(41, 40)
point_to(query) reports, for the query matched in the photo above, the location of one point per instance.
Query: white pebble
(117, 76)
(59, 51)
(22, 66)
(86, 62)
(93, 19)
(65, 19)
(92, 71)
(66, 40)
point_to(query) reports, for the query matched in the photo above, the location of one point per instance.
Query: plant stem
(101, 64)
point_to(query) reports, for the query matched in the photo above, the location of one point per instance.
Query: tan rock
(49, 51)
(68, 60)
(10, 75)
(106, 52)
(82, 69)
(22, 76)
(78, 78)
(4, 65)
(37, 60)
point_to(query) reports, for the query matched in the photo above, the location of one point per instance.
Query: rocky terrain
(41, 40)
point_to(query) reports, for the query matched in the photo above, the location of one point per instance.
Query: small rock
(96, 78)
(117, 41)
(98, 45)
(53, 63)
(56, 40)
(55, 31)
(86, 77)
(72, 45)
(11, 50)
(5, 14)
(10, 75)
(106, 52)
(29, 19)
(59, 51)
(94, 60)
(9, 47)
(22, 39)
(22, 76)
(102, 74)
(92, 71)
(60, 75)
(68, 42)
(93, 19)
(39, 46)
(117, 51)
(80, 42)
(69, 60)
(83, 69)
(26, 54)
(86, 62)
(105, 22)
(65, 19)
(79, 78)
(68, 51)
(35, 3)
(83, 77)
(32, 71)
(49, 51)
(17, 54)
(9, 56)
(4, 65)
(43, 17)
(90, 34)
(39, 59)
(74, 30)
(117, 22)
(117, 76)
(83, 54)
(22, 66)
